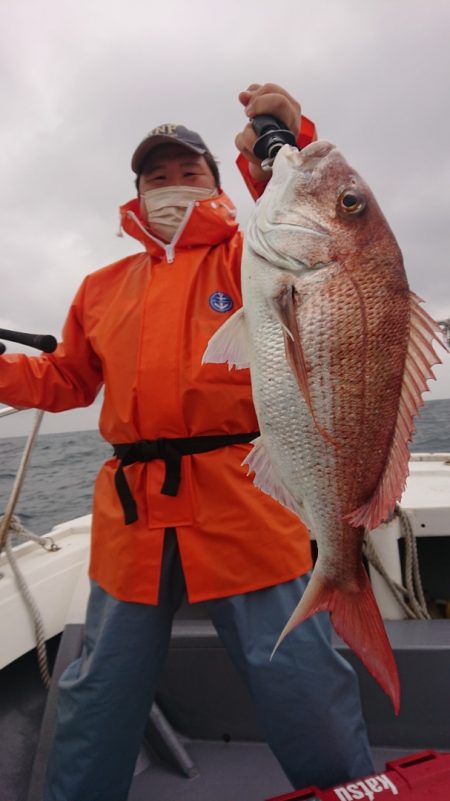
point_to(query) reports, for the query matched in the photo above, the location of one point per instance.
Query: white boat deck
(426, 500)
(57, 581)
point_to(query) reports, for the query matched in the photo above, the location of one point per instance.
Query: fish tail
(357, 620)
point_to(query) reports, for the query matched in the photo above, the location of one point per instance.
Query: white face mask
(167, 206)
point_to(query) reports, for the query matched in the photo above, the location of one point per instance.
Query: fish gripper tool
(272, 135)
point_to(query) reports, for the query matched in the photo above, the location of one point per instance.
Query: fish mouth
(280, 229)
(294, 172)
(306, 160)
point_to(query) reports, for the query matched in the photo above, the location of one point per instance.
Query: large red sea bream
(340, 352)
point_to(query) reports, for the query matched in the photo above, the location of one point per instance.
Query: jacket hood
(210, 222)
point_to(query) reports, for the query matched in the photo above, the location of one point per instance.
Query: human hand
(265, 99)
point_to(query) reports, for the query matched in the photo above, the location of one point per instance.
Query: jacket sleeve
(307, 135)
(65, 379)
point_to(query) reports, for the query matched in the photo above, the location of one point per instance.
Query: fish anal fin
(258, 462)
(357, 620)
(229, 343)
(420, 358)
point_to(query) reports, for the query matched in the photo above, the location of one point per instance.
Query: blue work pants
(307, 698)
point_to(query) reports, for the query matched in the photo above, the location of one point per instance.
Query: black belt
(170, 451)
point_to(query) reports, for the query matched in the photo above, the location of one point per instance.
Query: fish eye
(351, 202)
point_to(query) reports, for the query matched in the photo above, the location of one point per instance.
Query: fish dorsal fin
(258, 462)
(229, 343)
(420, 358)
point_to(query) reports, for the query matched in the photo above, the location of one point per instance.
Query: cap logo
(169, 129)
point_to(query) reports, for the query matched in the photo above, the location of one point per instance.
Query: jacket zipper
(168, 247)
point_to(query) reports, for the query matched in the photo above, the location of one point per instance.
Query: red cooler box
(424, 776)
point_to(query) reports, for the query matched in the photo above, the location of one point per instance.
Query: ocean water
(62, 470)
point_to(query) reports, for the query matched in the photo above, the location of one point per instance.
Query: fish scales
(312, 463)
(339, 351)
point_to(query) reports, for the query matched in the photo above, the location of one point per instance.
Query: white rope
(411, 598)
(36, 617)
(17, 529)
(8, 525)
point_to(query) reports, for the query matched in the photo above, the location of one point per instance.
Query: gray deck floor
(227, 772)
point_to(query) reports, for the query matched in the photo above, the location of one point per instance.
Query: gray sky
(82, 82)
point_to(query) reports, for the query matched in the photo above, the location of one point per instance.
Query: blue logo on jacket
(221, 302)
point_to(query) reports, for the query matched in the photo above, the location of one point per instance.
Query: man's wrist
(258, 174)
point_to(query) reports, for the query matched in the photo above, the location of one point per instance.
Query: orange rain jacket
(140, 327)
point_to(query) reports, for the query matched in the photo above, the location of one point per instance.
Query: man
(174, 511)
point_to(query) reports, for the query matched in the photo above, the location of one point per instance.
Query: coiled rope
(9, 524)
(411, 598)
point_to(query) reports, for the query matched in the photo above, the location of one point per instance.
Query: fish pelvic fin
(285, 310)
(420, 358)
(357, 620)
(259, 462)
(230, 343)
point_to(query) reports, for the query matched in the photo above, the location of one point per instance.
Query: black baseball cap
(163, 134)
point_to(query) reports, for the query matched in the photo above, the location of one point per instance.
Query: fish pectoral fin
(229, 343)
(284, 307)
(420, 358)
(356, 618)
(258, 461)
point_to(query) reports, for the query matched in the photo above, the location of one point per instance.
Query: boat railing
(9, 525)
(7, 410)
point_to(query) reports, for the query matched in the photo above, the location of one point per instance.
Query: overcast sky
(82, 82)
